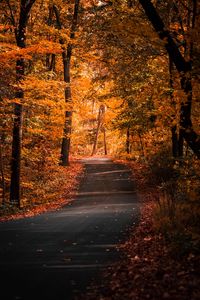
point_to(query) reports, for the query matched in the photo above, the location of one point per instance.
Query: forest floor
(64, 183)
(152, 267)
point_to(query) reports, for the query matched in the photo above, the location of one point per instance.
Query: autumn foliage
(121, 78)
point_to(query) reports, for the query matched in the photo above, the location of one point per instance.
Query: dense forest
(90, 77)
(120, 78)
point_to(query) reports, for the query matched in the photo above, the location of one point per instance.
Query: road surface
(55, 255)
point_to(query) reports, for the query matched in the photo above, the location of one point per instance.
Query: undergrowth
(50, 188)
(177, 203)
(174, 188)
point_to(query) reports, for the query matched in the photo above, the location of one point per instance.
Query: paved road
(55, 255)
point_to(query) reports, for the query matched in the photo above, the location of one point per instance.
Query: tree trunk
(184, 68)
(20, 33)
(67, 54)
(16, 154)
(65, 147)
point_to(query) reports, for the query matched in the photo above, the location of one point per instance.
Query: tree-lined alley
(81, 78)
(117, 60)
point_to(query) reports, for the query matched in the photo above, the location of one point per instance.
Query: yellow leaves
(55, 34)
(91, 56)
(43, 132)
(39, 88)
(36, 131)
(45, 102)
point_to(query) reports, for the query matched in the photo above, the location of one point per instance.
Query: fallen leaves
(148, 269)
(149, 272)
(72, 174)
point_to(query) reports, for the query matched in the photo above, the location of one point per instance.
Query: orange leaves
(45, 90)
(5, 27)
(43, 47)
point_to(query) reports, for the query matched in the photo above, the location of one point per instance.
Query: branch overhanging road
(55, 255)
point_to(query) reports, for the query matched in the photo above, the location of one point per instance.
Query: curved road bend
(55, 255)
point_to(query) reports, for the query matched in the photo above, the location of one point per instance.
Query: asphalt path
(56, 255)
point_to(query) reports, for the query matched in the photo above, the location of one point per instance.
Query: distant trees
(137, 62)
(100, 127)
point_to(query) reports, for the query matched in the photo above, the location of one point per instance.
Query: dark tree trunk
(67, 54)
(20, 33)
(184, 69)
(65, 147)
(16, 154)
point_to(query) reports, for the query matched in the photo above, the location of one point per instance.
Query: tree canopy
(61, 62)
